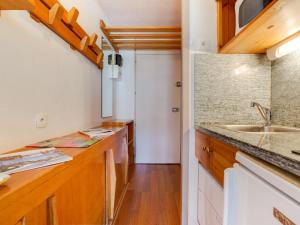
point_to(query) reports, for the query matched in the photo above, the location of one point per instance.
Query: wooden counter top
(117, 122)
(27, 190)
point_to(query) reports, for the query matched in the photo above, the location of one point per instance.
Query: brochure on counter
(28, 160)
(97, 133)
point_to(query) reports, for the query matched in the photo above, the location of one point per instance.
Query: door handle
(175, 110)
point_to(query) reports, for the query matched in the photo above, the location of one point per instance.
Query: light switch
(41, 120)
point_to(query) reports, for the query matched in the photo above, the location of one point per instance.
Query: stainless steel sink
(260, 129)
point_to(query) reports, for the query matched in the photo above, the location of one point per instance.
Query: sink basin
(260, 129)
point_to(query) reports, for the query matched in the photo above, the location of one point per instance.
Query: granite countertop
(274, 148)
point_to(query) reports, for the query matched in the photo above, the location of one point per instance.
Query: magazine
(70, 141)
(27, 160)
(98, 133)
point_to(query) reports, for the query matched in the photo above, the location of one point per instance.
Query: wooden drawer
(222, 157)
(202, 149)
(224, 150)
(214, 155)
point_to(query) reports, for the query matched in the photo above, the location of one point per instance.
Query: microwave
(247, 10)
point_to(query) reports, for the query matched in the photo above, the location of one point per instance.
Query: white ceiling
(142, 12)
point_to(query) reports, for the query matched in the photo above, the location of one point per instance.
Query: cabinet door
(202, 149)
(121, 168)
(251, 200)
(210, 199)
(226, 21)
(81, 200)
(222, 157)
(38, 216)
(117, 171)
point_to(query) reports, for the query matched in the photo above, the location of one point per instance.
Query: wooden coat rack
(64, 23)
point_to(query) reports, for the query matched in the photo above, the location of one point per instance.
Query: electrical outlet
(41, 120)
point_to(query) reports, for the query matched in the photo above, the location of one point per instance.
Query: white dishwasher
(255, 196)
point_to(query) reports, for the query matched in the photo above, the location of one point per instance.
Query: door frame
(162, 52)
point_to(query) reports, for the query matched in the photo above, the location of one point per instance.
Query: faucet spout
(264, 112)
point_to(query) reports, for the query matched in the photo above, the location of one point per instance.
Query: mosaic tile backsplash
(226, 84)
(285, 101)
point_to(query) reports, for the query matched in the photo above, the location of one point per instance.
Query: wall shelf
(142, 37)
(64, 23)
(275, 23)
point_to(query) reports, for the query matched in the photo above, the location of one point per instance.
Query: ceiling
(142, 12)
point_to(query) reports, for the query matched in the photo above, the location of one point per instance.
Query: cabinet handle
(208, 150)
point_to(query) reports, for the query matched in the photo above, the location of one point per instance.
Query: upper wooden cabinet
(226, 21)
(278, 21)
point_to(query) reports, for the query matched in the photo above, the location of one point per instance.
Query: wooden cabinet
(226, 21)
(81, 200)
(117, 175)
(131, 135)
(214, 155)
(270, 27)
(74, 192)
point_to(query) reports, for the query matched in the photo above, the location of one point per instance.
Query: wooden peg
(55, 13)
(72, 17)
(100, 66)
(72, 47)
(93, 39)
(99, 58)
(106, 33)
(84, 43)
(102, 24)
(34, 17)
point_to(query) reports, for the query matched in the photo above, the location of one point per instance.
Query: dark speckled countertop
(274, 148)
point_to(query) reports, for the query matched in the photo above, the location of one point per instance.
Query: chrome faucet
(264, 112)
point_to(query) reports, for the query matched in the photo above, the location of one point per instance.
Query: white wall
(39, 73)
(199, 23)
(203, 25)
(125, 103)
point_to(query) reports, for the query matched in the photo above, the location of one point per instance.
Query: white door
(158, 107)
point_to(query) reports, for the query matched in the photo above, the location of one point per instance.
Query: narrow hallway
(153, 196)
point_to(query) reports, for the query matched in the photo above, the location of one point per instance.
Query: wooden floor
(153, 196)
